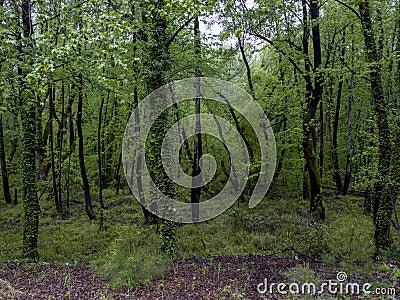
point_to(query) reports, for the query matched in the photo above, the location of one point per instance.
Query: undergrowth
(129, 250)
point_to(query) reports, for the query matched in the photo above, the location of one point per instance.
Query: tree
(382, 205)
(31, 201)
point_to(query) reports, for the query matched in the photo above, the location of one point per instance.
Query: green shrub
(134, 257)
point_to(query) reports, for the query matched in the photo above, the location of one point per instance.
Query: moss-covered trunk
(28, 116)
(382, 205)
(158, 72)
(312, 176)
(30, 197)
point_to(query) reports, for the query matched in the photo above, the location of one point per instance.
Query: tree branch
(287, 56)
(172, 38)
(349, 7)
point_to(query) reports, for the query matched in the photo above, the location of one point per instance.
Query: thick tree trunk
(86, 187)
(158, 70)
(396, 119)
(28, 116)
(382, 206)
(4, 173)
(30, 200)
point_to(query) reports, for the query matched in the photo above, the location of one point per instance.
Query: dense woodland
(326, 73)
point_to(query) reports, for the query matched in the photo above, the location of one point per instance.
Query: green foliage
(134, 257)
(352, 237)
(315, 241)
(393, 251)
(302, 274)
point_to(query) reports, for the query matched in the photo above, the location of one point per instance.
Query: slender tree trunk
(71, 147)
(247, 65)
(335, 157)
(41, 138)
(4, 173)
(279, 166)
(382, 206)
(14, 140)
(88, 197)
(198, 145)
(321, 138)
(51, 146)
(349, 164)
(110, 148)
(60, 137)
(99, 153)
(148, 216)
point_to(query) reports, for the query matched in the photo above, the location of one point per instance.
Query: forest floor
(224, 258)
(221, 277)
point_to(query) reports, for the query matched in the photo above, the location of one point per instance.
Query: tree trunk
(71, 147)
(4, 173)
(30, 200)
(51, 146)
(382, 206)
(42, 136)
(99, 153)
(349, 163)
(158, 69)
(312, 175)
(60, 137)
(88, 197)
(198, 146)
(247, 65)
(110, 148)
(335, 158)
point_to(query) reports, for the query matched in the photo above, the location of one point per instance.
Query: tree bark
(335, 157)
(4, 173)
(51, 146)
(382, 206)
(198, 145)
(99, 153)
(28, 115)
(312, 174)
(86, 187)
(247, 65)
